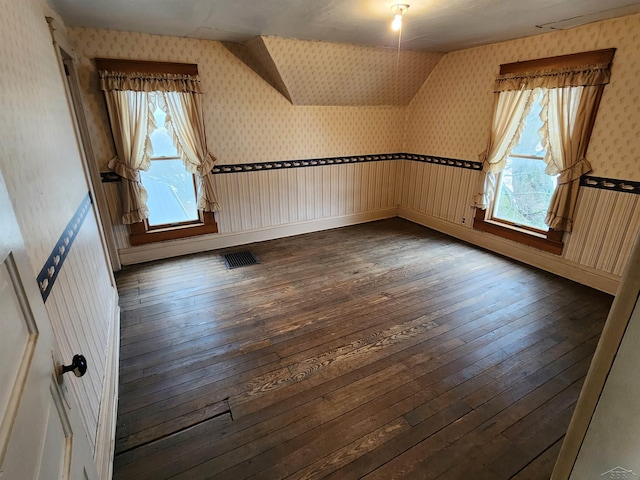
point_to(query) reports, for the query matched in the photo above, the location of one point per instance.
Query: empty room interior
(317, 239)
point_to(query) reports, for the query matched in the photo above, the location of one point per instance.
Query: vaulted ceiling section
(323, 73)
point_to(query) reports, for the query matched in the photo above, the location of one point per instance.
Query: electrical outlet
(464, 220)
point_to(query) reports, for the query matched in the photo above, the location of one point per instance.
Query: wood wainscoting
(382, 350)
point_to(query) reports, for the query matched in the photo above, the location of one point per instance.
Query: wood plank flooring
(379, 351)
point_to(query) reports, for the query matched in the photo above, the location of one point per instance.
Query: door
(41, 435)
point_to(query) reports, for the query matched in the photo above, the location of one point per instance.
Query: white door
(41, 435)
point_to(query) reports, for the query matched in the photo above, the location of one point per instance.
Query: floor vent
(240, 259)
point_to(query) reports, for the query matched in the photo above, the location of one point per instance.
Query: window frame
(551, 241)
(141, 233)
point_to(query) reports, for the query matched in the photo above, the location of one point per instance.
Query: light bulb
(398, 10)
(397, 22)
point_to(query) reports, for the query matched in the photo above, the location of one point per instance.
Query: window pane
(172, 197)
(530, 143)
(160, 140)
(524, 193)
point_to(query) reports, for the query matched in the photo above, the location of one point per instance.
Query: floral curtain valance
(148, 82)
(586, 75)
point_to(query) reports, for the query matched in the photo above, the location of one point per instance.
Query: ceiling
(430, 25)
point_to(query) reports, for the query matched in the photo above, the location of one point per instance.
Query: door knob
(78, 366)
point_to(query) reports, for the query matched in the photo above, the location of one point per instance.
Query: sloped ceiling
(255, 55)
(323, 73)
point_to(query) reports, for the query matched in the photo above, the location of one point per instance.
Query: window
(178, 179)
(524, 189)
(528, 192)
(172, 192)
(172, 195)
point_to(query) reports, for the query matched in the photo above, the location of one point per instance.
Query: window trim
(552, 240)
(141, 234)
(560, 61)
(143, 66)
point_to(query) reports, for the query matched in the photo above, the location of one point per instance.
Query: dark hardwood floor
(378, 351)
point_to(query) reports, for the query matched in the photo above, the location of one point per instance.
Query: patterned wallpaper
(246, 119)
(255, 55)
(321, 73)
(451, 114)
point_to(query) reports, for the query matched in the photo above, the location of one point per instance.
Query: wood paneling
(262, 199)
(81, 310)
(437, 190)
(255, 200)
(606, 225)
(374, 351)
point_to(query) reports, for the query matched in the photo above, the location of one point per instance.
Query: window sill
(141, 234)
(551, 242)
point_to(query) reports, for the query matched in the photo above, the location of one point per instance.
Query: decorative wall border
(53, 265)
(312, 162)
(617, 185)
(108, 177)
(318, 162)
(449, 162)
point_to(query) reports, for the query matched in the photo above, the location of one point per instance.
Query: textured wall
(321, 73)
(451, 114)
(41, 165)
(246, 119)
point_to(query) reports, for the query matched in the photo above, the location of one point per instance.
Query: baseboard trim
(551, 263)
(174, 248)
(106, 434)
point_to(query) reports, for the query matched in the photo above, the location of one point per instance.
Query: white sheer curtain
(131, 123)
(569, 113)
(185, 121)
(510, 108)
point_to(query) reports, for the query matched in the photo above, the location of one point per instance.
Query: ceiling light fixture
(398, 10)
